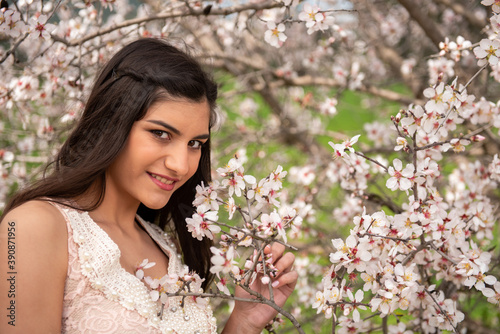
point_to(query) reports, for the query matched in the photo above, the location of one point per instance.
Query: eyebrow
(174, 130)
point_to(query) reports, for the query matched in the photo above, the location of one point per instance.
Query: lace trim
(99, 257)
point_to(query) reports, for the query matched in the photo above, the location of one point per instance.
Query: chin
(156, 204)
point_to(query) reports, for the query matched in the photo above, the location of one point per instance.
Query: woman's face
(162, 152)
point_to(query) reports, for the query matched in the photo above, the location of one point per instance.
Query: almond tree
(418, 199)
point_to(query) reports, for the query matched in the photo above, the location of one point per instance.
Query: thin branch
(183, 12)
(463, 90)
(383, 237)
(372, 316)
(266, 301)
(13, 48)
(343, 302)
(442, 311)
(264, 269)
(252, 235)
(385, 327)
(412, 254)
(414, 152)
(428, 26)
(387, 202)
(372, 160)
(461, 10)
(442, 254)
(473, 77)
(468, 136)
(212, 295)
(308, 80)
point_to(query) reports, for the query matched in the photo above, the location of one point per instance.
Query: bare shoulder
(33, 240)
(37, 213)
(38, 229)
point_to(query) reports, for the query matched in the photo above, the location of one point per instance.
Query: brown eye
(195, 144)
(160, 134)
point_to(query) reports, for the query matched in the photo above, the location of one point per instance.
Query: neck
(114, 210)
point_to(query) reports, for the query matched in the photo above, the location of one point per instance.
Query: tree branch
(175, 13)
(442, 311)
(461, 10)
(308, 80)
(428, 26)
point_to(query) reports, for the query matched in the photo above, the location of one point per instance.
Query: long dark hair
(140, 74)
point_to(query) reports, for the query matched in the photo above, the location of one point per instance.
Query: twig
(266, 301)
(252, 235)
(413, 253)
(13, 48)
(468, 136)
(383, 237)
(173, 14)
(380, 200)
(463, 89)
(372, 160)
(442, 254)
(473, 77)
(442, 311)
(343, 302)
(372, 316)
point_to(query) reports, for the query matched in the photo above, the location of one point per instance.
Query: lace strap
(163, 240)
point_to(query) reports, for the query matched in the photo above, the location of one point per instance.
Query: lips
(164, 182)
(162, 179)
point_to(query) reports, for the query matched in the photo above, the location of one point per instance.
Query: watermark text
(11, 273)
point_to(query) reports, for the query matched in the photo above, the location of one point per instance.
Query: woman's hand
(250, 317)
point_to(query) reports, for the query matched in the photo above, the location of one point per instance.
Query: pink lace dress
(102, 297)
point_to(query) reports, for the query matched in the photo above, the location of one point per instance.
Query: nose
(177, 159)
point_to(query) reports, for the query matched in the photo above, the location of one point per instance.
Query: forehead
(181, 113)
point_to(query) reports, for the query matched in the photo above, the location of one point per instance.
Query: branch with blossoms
(306, 64)
(240, 257)
(434, 241)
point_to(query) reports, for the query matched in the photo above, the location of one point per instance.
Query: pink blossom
(493, 295)
(384, 302)
(201, 224)
(223, 261)
(400, 178)
(340, 149)
(315, 20)
(356, 299)
(39, 28)
(329, 107)
(487, 52)
(206, 197)
(495, 5)
(275, 35)
(139, 272)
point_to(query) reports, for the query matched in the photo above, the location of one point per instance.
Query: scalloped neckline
(143, 224)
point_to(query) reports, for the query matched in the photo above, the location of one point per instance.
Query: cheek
(193, 164)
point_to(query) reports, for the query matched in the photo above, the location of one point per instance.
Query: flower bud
(477, 138)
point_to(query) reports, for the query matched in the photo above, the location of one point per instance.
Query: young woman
(136, 155)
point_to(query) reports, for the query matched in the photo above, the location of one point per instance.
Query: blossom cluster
(160, 289)
(264, 220)
(405, 259)
(312, 16)
(438, 212)
(429, 237)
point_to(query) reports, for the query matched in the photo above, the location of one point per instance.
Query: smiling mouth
(162, 179)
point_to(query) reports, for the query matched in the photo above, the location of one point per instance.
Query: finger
(285, 263)
(277, 251)
(286, 279)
